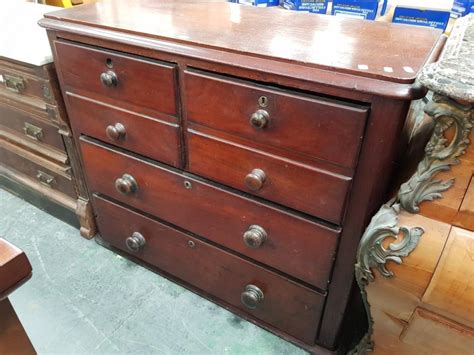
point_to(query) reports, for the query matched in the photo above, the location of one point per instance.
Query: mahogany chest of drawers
(38, 157)
(240, 161)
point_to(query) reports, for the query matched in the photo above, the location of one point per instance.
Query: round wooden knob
(126, 184)
(135, 242)
(259, 119)
(255, 179)
(255, 236)
(115, 132)
(109, 78)
(251, 297)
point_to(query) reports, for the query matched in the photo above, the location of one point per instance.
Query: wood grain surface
(451, 288)
(303, 123)
(297, 246)
(15, 268)
(371, 49)
(427, 307)
(148, 86)
(465, 216)
(149, 136)
(320, 193)
(286, 305)
(337, 93)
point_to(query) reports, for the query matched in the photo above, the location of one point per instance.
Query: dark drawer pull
(45, 179)
(115, 132)
(255, 236)
(109, 79)
(32, 131)
(251, 297)
(255, 179)
(136, 242)
(14, 83)
(259, 119)
(126, 185)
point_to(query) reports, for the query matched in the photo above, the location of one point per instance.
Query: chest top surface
(21, 39)
(385, 51)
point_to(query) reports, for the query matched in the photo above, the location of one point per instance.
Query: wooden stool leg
(13, 338)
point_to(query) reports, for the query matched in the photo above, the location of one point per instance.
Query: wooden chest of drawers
(38, 157)
(244, 165)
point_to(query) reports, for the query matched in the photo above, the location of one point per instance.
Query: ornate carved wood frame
(451, 80)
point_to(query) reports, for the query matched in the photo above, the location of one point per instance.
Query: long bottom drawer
(258, 292)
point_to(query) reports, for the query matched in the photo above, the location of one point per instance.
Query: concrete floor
(83, 298)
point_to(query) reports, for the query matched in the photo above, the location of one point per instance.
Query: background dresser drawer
(49, 174)
(15, 81)
(142, 134)
(137, 83)
(285, 305)
(35, 129)
(293, 184)
(326, 129)
(294, 245)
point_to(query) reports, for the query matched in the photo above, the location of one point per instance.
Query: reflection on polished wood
(366, 48)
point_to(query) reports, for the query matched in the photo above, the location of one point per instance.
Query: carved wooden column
(451, 81)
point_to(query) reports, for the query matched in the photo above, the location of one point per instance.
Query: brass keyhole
(263, 101)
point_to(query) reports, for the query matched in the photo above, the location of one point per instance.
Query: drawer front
(41, 109)
(326, 129)
(139, 83)
(49, 175)
(142, 134)
(296, 246)
(314, 191)
(24, 84)
(285, 305)
(36, 130)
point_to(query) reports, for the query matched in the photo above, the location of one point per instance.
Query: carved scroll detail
(440, 155)
(373, 254)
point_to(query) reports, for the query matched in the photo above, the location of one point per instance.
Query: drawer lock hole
(263, 101)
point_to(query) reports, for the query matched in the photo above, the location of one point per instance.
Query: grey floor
(83, 298)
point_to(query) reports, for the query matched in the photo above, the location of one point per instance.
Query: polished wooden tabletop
(385, 51)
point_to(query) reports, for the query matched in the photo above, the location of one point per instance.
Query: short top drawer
(326, 129)
(141, 85)
(141, 134)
